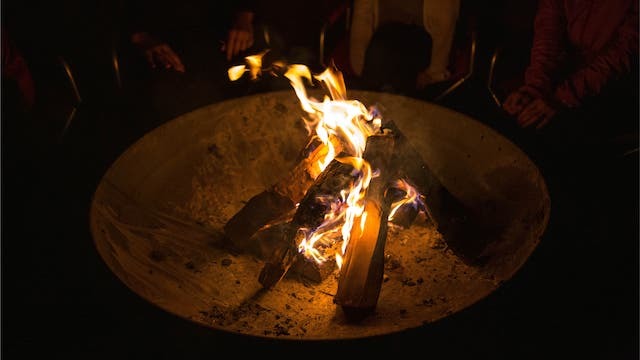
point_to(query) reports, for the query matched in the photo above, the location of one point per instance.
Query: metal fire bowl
(157, 216)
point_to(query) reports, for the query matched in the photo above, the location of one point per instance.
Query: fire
(349, 122)
(411, 198)
(236, 72)
(343, 126)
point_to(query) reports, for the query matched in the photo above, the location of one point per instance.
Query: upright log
(362, 270)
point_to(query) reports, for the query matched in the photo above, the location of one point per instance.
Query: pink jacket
(595, 40)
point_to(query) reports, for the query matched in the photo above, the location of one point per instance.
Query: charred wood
(275, 202)
(461, 228)
(309, 215)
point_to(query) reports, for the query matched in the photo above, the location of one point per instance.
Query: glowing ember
(342, 125)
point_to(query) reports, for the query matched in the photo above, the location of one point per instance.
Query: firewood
(283, 255)
(275, 202)
(266, 241)
(405, 215)
(362, 269)
(412, 167)
(258, 211)
(310, 214)
(302, 176)
(460, 227)
(313, 271)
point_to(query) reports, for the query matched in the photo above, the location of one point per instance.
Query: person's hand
(240, 36)
(538, 112)
(515, 103)
(157, 53)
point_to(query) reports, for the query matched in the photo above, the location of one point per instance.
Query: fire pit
(158, 219)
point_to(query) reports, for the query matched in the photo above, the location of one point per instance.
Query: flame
(334, 81)
(342, 125)
(354, 197)
(412, 197)
(255, 64)
(236, 72)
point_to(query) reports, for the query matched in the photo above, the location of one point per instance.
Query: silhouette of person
(583, 55)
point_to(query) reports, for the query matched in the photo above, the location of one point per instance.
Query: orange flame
(334, 120)
(236, 72)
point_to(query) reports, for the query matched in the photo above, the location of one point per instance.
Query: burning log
(264, 241)
(261, 209)
(409, 203)
(268, 239)
(275, 202)
(363, 265)
(309, 215)
(460, 226)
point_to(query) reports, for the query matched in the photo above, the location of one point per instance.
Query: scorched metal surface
(157, 218)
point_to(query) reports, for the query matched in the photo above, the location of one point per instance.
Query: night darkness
(576, 296)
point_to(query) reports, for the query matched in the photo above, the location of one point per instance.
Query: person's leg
(440, 19)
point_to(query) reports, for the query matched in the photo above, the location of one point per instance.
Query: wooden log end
(258, 211)
(312, 271)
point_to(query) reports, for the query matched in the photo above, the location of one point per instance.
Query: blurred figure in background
(178, 54)
(583, 68)
(380, 32)
(18, 99)
(293, 29)
(16, 75)
(153, 33)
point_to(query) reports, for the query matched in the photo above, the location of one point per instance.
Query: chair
(332, 34)
(506, 71)
(73, 95)
(462, 60)
(58, 97)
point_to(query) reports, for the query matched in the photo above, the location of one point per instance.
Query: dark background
(576, 296)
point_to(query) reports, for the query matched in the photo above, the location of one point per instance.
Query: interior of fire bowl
(157, 219)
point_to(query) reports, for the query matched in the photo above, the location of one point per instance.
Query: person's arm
(157, 52)
(614, 60)
(240, 36)
(539, 78)
(143, 22)
(240, 33)
(548, 46)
